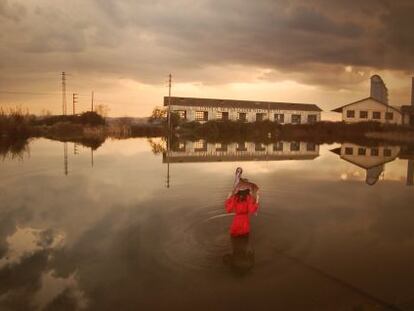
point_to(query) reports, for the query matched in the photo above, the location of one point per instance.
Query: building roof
(339, 109)
(233, 103)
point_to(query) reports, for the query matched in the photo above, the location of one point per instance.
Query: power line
(28, 93)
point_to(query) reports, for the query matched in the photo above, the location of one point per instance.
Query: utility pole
(63, 93)
(169, 102)
(169, 130)
(74, 102)
(92, 101)
(91, 157)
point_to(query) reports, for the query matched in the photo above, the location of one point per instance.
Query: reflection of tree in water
(241, 260)
(93, 143)
(158, 146)
(13, 148)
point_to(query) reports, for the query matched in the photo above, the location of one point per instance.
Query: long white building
(205, 109)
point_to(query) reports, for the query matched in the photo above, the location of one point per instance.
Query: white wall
(368, 160)
(250, 113)
(250, 150)
(370, 106)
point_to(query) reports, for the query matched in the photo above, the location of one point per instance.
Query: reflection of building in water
(372, 159)
(204, 109)
(201, 151)
(410, 173)
(407, 153)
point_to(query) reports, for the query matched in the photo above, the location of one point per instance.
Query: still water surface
(122, 228)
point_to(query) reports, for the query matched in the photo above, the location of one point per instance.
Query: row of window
(376, 115)
(242, 116)
(201, 146)
(364, 151)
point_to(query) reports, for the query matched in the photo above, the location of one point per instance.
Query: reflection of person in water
(241, 260)
(242, 204)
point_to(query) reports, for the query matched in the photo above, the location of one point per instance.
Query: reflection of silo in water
(373, 174)
(410, 172)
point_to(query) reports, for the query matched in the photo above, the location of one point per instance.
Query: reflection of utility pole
(410, 172)
(92, 101)
(74, 102)
(169, 130)
(91, 157)
(63, 93)
(168, 161)
(65, 157)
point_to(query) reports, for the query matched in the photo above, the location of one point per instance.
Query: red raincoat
(241, 224)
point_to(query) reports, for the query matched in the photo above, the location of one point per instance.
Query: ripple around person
(200, 240)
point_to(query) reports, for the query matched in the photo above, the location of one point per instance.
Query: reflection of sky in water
(114, 237)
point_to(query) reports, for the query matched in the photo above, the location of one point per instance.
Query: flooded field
(131, 226)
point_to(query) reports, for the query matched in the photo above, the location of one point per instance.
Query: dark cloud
(144, 40)
(12, 11)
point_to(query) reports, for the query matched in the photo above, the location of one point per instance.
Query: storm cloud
(207, 41)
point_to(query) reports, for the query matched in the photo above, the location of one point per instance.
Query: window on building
(259, 147)
(311, 147)
(296, 118)
(221, 147)
(201, 115)
(312, 118)
(181, 146)
(294, 146)
(363, 114)
(241, 116)
(241, 147)
(350, 113)
(374, 152)
(389, 115)
(362, 151)
(182, 114)
(278, 146)
(387, 152)
(260, 116)
(200, 145)
(279, 118)
(349, 150)
(222, 115)
(376, 115)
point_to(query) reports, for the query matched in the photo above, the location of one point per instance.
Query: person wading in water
(242, 204)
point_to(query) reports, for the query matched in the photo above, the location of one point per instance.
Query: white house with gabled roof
(376, 107)
(370, 109)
